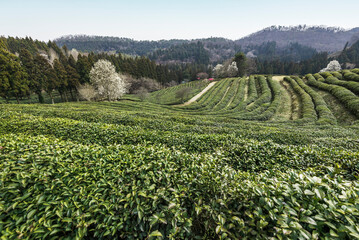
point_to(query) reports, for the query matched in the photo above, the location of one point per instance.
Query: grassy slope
(169, 96)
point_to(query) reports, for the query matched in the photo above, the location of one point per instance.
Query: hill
(314, 38)
(323, 39)
(260, 158)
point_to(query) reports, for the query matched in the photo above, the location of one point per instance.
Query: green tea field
(253, 158)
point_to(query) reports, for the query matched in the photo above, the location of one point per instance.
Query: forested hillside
(323, 39)
(32, 67)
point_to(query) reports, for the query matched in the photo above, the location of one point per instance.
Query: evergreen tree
(13, 78)
(43, 75)
(240, 59)
(27, 62)
(83, 68)
(61, 75)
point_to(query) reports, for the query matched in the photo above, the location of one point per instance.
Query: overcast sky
(167, 19)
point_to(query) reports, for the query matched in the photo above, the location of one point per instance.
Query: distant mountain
(129, 46)
(294, 43)
(323, 39)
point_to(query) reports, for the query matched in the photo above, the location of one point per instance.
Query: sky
(167, 19)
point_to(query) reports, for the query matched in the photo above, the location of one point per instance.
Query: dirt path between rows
(198, 95)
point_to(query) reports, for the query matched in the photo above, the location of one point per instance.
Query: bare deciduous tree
(142, 93)
(87, 92)
(183, 93)
(202, 75)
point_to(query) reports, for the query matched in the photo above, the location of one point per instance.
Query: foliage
(138, 170)
(13, 79)
(241, 61)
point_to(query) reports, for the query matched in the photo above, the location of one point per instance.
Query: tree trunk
(17, 99)
(41, 98)
(52, 98)
(72, 95)
(66, 96)
(61, 95)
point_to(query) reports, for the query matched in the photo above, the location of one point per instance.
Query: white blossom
(332, 67)
(107, 82)
(218, 70)
(232, 69)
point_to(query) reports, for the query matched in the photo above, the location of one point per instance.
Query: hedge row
(351, 85)
(349, 99)
(307, 105)
(239, 97)
(324, 113)
(350, 76)
(318, 77)
(228, 96)
(337, 75)
(355, 70)
(265, 97)
(326, 74)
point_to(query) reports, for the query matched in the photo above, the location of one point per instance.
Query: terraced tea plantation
(252, 158)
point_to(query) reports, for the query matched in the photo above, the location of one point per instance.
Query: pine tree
(27, 62)
(83, 68)
(13, 78)
(62, 79)
(240, 59)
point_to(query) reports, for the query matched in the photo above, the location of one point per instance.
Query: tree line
(34, 67)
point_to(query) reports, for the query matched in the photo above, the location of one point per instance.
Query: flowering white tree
(332, 67)
(218, 70)
(108, 84)
(232, 69)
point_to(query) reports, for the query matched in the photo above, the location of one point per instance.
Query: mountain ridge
(321, 38)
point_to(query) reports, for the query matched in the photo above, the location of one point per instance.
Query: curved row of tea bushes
(355, 70)
(265, 111)
(264, 97)
(307, 105)
(252, 93)
(337, 75)
(241, 92)
(206, 101)
(326, 74)
(218, 96)
(276, 101)
(324, 113)
(350, 76)
(351, 85)
(345, 96)
(318, 77)
(228, 95)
